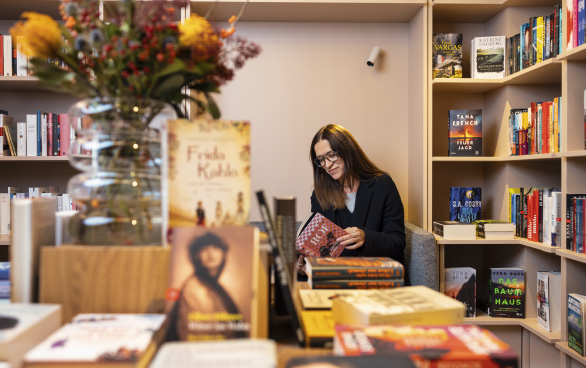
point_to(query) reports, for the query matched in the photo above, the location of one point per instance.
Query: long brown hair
(329, 192)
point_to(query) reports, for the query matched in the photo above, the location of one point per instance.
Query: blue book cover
(581, 21)
(465, 204)
(39, 133)
(4, 270)
(575, 340)
(579, 225)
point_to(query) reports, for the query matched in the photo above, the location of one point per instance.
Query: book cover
(355, 284)
(211, 291)
(487, 57)
(494, 225)
(543, 310)
(576, 322)
(240, 353)
(319, 238)
(460, 284)
(447, 55)
(465, 204)
(465, 133)
(206, 178)
(507, 292)
(21, 139)
(329, 361)
(319, 328)
(99, 338)
(356, 268)
(321, 299)
(405, 305)
(464, 346)
(286, 227)
(23, 326)
(457, 230)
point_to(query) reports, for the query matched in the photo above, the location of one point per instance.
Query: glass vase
(118, 151)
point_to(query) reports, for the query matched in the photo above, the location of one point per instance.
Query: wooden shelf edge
(564, 348)
(33, 158)
(531, 325)
(518, 241)
(541, 156)
(566, 253)
(4, 239)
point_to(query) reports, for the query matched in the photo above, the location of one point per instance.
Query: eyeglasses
(320, 161)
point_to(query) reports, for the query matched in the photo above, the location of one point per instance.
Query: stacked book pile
(494, 229)
(354, 273)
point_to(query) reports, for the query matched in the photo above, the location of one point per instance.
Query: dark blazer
(379, 213)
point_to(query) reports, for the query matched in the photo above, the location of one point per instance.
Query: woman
(355, 194)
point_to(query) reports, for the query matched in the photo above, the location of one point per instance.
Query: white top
(351, 201)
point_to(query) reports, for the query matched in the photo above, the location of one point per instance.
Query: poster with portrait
(206, 172)
(212, 288)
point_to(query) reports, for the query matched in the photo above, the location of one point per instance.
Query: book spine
(64, 135)
(44, 135)
(438, 229)
(7, 55)
(49, 134)
(21, 139)
(55, 144)
(356, 273)
(355, 284)
(31, 135)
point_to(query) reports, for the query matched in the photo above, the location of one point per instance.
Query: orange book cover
(354, 268)
(318, 237)
(212, 293)
(462, 346)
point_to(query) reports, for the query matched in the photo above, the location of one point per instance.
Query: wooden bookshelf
(4, 240)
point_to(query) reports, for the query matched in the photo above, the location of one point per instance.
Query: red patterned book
(318, 237)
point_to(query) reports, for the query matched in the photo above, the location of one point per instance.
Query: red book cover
(545, 133)
(318, 237)
(535, 215)
(64, 136)
(1, 55)
(533, 125)
(462, 346)
(574, 224)
(530, 216)
(49, 134)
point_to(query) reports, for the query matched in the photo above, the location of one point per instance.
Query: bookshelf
(496, 171)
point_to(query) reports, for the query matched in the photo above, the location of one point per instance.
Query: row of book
(536, 213)
(43, 134)
(535, 129)
(64, 202)
(538, 39)
(576, 18)
(12, 60)
(576, 222)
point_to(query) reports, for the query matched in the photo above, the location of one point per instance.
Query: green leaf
(212, 107)
(168, 85)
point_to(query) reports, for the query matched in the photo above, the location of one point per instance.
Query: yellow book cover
(512, 191)
(540, 39)
(212, 290)
(207, 172)
(319, 328)
(406, 305)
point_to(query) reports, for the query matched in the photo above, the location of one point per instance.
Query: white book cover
(33, 226)
(321, 298)
(31, 134)
(235, 353)
(557, 215)
(543, 299)
(98, 338)
(21, 59)
(26, 326)
(4, 213)
(7, 54)
(546, 231)
(555, 300)
(20, 139)
(488, 57)
(66, 202)
(43, 134)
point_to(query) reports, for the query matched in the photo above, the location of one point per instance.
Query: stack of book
(354, 273)
(494, 229)
(456, 230)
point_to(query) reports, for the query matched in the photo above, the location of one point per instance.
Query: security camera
(373, 55)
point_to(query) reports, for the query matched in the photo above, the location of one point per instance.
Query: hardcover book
(212, 278)
(90, 339)
(321, 299)
(319, 238)
(549, 298)
(447, 55)
(465, 133)
(576, 334)
(465, 204)
(206, 179)
(355, 284)
(463, 346)
(460, 284)
(487, 57)
(319, 328)
(240, 353)
(357, 268)
(507, 292)
(456, 230)
(405, 305)
(494, 225)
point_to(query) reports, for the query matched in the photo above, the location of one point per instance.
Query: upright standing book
(212, 279)
(507, 292)
(549, 300)
(465, 204)
(576, 331)
(460, 284)
(447, 55)
(487, 57)
(465, 133)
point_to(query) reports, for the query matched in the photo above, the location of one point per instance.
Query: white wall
(312, 74)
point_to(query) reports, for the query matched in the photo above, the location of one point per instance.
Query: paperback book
(507, 292)
(487, 57)
(460, 284)
(576, 333)
(321, 299)
(355, 284)
(318, 237)
(357, 268)
(549, 300)
(465, 133)
(465, 204)
(447, 55)
(463, 346)
(456, 230)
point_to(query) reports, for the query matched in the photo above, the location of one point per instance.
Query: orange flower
(198, 34)
(41, 36)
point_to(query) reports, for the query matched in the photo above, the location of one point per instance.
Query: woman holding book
(356, 195)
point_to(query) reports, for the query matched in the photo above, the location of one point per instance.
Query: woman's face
(334, 169)
(211, 257)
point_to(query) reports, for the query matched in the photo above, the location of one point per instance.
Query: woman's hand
(300, 265)
(354, 239)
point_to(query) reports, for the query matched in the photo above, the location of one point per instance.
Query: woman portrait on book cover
(352, 192)
(205, 308)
